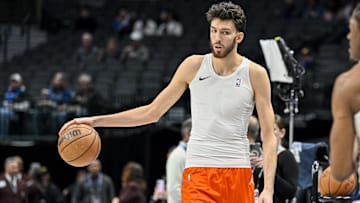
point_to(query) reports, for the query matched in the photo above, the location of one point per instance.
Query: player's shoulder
(194, 60)
(348, 79)
(256, 69)
(191, 65)
(347, 84)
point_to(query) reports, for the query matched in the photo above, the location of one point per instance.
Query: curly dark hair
(228, 11)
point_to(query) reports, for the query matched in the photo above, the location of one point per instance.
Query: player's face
(224, 37)
(354, 39)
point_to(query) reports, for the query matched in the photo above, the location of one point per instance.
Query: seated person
(55, 102)
(122, 22)
(14, 105)
(87, 100)
(136, 50)
(146, 25)
(88, 53)
(169, 26)
(111, 53)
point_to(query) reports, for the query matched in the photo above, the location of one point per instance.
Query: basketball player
(346, 108)
(224, 88)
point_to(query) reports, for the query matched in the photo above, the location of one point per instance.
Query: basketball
(328, 186)
(79, 144)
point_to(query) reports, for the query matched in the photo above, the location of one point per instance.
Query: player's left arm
(262, 92)
(342, 135)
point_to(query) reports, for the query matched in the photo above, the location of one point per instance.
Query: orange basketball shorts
(217, 185)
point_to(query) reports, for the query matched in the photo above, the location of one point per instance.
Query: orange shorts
(217, 185)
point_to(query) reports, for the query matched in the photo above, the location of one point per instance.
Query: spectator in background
(87, 53)
(176, 164)
(111, 53)
(136, 50)
(122, 22)
(253, 130)
(68, 192)
(11, 188)
(287, 172)
(146, 25)
(20, 162)
(255, 148)
(34, 189)
(97, 187)
(14, 105)
(133, 184)
(169, 25)
(85, 22)
(56, 99)
(51, 191)
(88, 99)
(58, 92)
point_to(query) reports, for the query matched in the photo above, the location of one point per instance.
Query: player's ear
(239, 37)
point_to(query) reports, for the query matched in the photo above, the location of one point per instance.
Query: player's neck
(227, 65)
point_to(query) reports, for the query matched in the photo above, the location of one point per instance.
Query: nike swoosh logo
(203, 78)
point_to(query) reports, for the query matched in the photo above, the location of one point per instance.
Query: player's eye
(225, 32)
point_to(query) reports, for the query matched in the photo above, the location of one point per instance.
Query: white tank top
(220, 109)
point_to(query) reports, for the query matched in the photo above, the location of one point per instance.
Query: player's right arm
(342, 130)
(152, 112)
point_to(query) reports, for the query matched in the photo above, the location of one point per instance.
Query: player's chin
(219, 55)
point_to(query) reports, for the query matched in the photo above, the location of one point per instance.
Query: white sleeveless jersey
(220, 109)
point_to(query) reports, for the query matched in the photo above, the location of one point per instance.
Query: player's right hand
(85, 120)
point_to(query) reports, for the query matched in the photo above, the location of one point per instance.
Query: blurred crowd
(55, 104)
(91, 185)
(43, 112)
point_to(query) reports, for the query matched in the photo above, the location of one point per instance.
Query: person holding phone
(287, 172)
(160, 194)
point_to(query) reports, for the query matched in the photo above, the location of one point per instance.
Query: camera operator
(287, 172)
